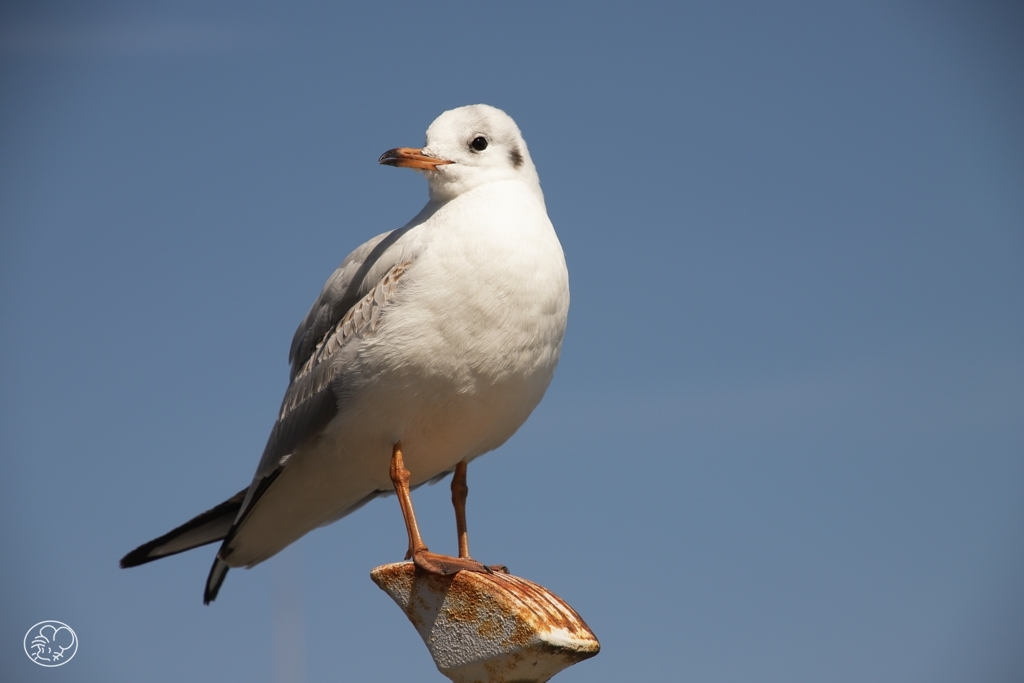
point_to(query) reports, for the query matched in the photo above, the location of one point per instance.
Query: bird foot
(446, 565)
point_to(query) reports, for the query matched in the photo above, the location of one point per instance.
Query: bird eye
(479, 143)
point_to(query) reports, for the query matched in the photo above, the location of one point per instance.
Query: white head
(468, 147)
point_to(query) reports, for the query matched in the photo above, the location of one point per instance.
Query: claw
(445, 565)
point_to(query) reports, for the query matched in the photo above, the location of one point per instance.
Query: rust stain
(490, 629)
(538, 606)
(513, 614)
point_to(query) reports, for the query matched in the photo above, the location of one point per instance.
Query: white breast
(476, 327)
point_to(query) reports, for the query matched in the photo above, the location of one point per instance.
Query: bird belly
(437, 427)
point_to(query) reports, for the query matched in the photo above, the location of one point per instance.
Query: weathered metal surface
(489, 628)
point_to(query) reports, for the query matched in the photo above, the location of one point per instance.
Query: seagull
(429, 346)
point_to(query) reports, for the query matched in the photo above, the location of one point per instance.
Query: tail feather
(209, 527)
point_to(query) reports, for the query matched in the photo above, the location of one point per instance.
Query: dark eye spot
(479, 143)
(516, 157)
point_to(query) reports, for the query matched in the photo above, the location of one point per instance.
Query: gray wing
(348, 307)
(346, 286)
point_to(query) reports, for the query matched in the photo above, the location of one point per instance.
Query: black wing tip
(140, 555)
(144, 553)
(218, 572)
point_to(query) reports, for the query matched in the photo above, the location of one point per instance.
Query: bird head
(468, 147)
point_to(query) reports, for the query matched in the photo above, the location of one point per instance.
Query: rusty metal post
(489, 628)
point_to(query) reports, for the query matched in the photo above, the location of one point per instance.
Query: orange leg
(400, 480)
(421, 557)
(459, 493)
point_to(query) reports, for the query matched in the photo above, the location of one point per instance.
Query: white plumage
(442, 336)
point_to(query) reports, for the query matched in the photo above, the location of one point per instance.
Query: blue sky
(785, 439)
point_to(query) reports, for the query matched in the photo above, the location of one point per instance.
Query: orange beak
(407, 157)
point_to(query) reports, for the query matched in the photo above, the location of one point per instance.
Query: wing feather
(343, 289)
(207, 527)
(312, 399)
